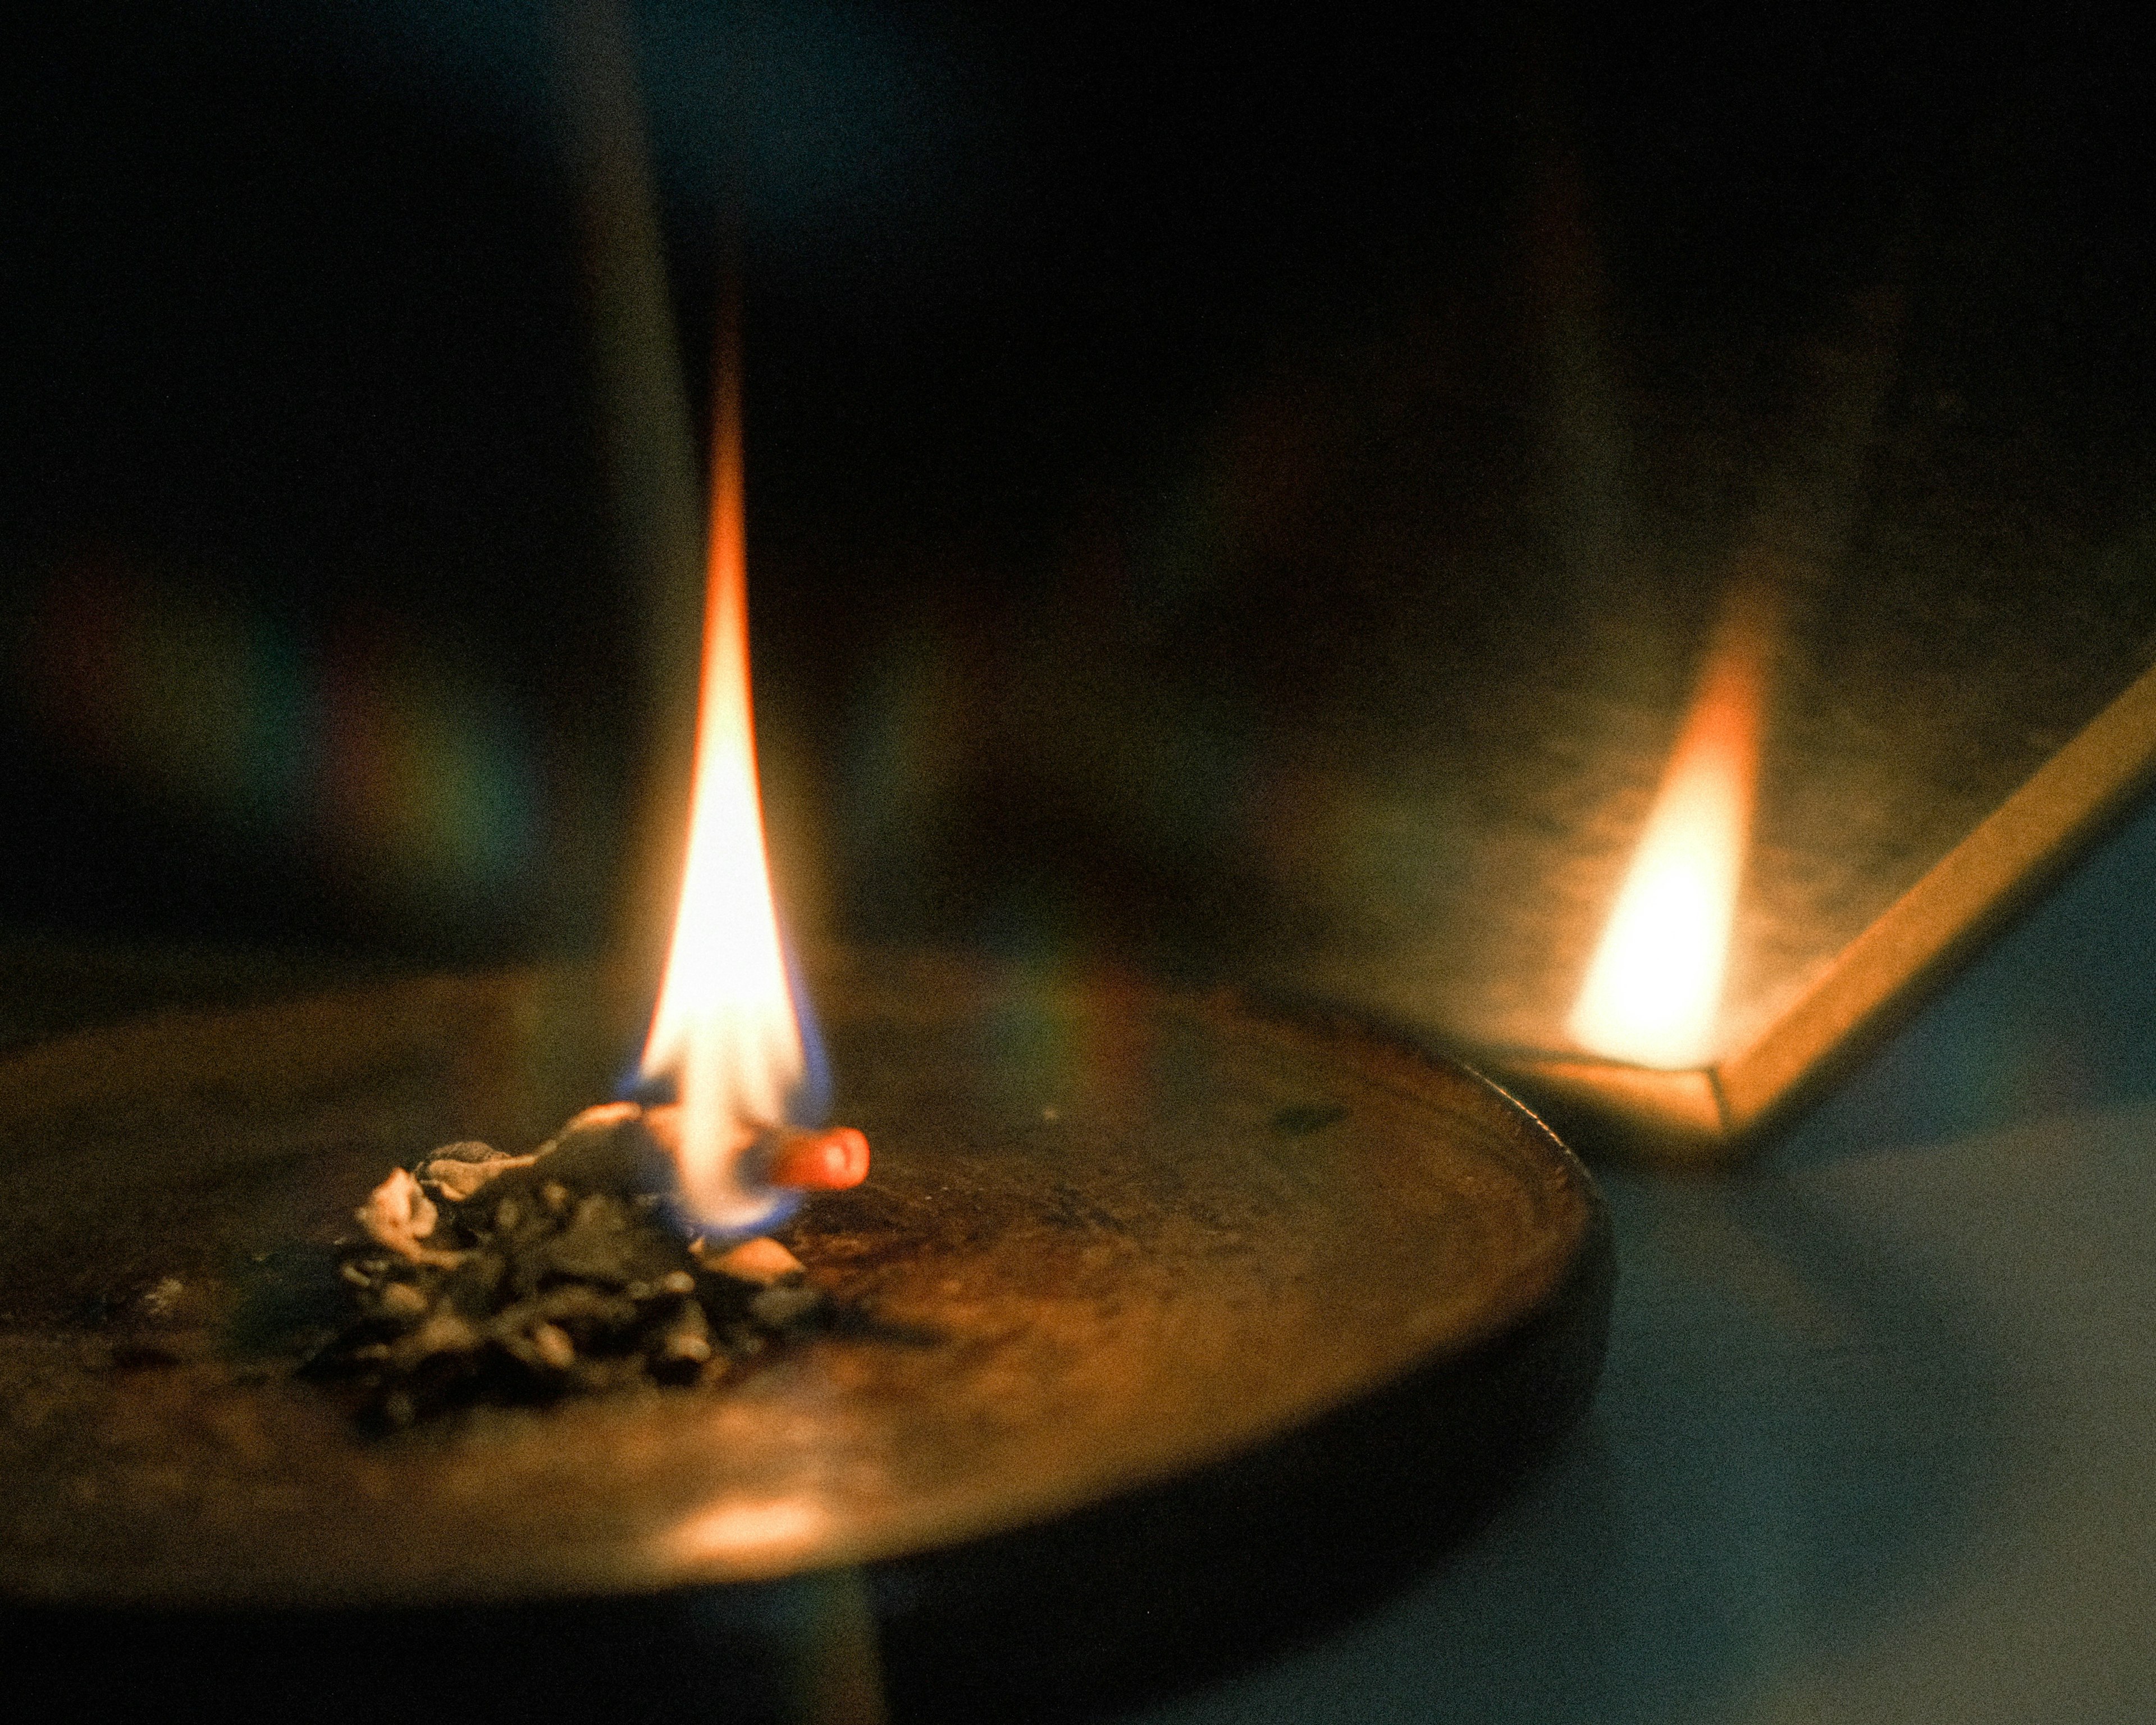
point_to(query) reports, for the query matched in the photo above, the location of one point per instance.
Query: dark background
(1164, 427)
(1069, 334)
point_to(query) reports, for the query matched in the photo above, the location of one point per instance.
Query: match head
(824, 1159)
(829, 1160)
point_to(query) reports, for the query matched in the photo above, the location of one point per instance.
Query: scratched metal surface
(1367, 677)
(1394, 735)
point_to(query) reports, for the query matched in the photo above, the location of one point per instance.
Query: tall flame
(1653, 992)
(725, 1030)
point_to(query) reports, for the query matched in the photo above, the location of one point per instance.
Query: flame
(1653, 992)
(725, 1030)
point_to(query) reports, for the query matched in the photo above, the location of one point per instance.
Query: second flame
(1653, 990)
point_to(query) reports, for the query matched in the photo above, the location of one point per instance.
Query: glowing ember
(1653, 989)
(726, 1030)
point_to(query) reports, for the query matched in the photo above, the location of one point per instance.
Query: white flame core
(725, 1028)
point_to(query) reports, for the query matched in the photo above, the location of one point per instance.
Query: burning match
(584, 1264)
(728, 1034)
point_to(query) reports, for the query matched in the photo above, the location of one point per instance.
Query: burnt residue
(567, 1274)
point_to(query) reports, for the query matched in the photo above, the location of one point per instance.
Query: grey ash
(490, 1278)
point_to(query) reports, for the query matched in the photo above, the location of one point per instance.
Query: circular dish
(1170, 1296)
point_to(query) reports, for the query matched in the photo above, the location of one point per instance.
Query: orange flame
(1653, 992)
(725, 1028)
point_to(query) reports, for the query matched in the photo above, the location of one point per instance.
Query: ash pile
(489, 1278)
